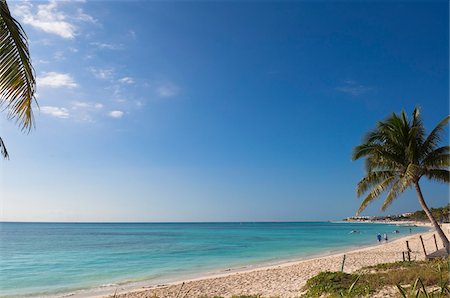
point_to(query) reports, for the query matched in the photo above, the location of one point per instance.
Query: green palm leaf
(438, 175)
(3, 150)
(439, 157)
(397, 188)
(376, 192)
(434, 137)
(17, 80)
(372, 179)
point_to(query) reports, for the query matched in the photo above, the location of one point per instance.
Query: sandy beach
(287, 279)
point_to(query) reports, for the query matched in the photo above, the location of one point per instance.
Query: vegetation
(240, 296)
(17, 79)
(441, 214)
(397, 155)
(374, 278)
(335, 284)
(418, 290)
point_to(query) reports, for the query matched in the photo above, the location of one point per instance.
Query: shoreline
(145, 288)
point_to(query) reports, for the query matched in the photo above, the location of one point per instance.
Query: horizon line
(165, 222)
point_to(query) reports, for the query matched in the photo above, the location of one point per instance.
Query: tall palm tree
(17, 80)
(397, 155)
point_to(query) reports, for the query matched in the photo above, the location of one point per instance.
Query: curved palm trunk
(431, 218)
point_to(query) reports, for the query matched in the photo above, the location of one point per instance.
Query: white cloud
(50, 18)
(55, 112)
(85, 118)
(42, 61)
(166, 90)
(55, 80)
(47, 18)
(106, 46)
(82, 16)
(116, 114)
(86, 105)
(102, 73)
(85, 111)
(132, 34)
(126, 80)
(353, 88)
(58, 56)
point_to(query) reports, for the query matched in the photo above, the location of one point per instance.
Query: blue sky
(216, 111)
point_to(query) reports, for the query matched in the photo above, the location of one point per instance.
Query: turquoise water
(48, 258)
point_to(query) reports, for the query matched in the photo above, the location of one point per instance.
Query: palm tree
(17, 80)
(397, 154)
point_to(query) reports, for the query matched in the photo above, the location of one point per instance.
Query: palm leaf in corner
(17, 80)
(3, 151)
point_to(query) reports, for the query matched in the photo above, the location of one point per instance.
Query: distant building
(359, 218)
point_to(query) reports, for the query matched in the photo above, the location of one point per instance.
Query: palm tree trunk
(431, 218)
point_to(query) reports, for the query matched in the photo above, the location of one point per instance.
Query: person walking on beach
(379, 237)
(385, 237)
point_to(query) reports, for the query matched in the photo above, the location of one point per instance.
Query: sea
(59, 259)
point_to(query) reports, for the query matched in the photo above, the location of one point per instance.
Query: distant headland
(442, 215)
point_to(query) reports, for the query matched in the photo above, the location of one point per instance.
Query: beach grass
(371, 279)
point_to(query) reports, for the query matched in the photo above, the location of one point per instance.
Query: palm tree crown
(398, 154)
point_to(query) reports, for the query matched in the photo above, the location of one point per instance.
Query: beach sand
(288, 279)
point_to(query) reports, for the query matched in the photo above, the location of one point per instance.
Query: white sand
(287, 280)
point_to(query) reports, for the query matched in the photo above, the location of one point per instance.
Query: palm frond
(372, 179)
(376, 152)
(437, 158)
(441, 161)
(434, 137)
(383, 161)
(17, 80)
(362, 150)
(376, 192)
(438, 175)
(397, 189)
(3, 150)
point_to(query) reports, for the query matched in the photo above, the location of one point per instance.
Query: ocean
(39, 259)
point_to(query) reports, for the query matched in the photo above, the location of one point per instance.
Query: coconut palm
(397, 155)
(17, 80)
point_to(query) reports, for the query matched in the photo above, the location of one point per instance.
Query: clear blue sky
(216, 111)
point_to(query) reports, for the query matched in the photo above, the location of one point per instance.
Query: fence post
(409, 256)
(423, 245)
(403, 254)
(342, 266)
(435, 242)
(407, 245)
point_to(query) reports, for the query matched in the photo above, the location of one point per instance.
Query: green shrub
(336, 284)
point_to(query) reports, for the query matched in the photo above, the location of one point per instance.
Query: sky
(217, 110)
